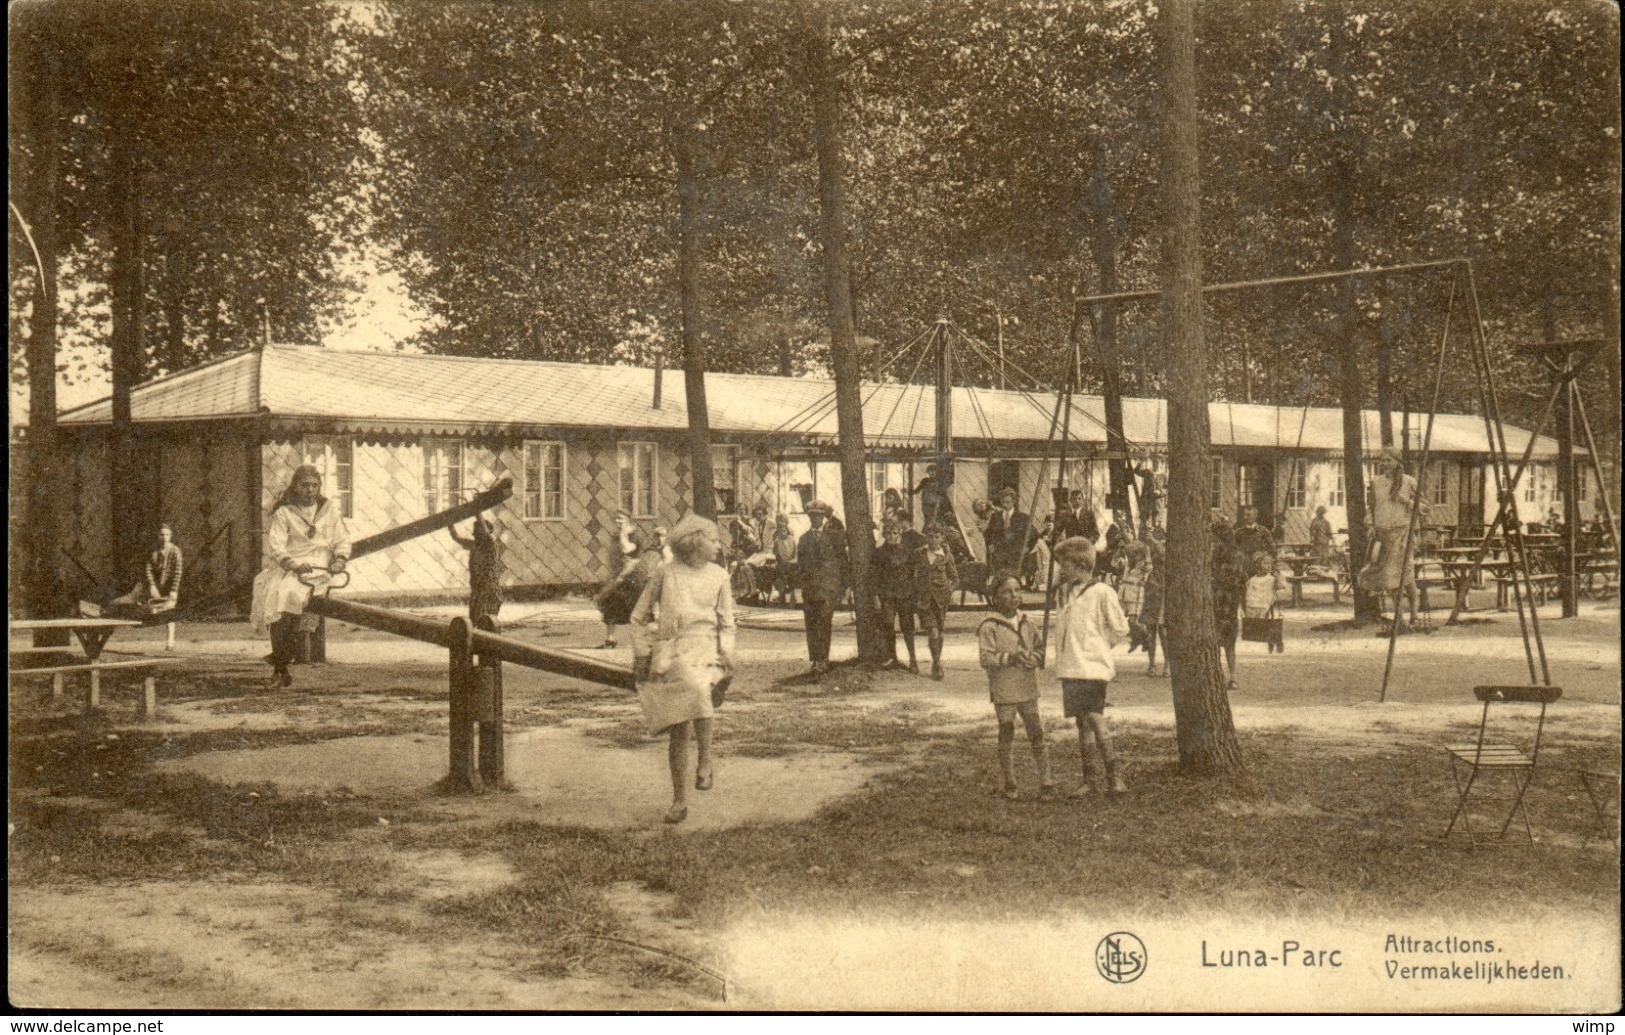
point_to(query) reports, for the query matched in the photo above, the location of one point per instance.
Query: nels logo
(1120, 957)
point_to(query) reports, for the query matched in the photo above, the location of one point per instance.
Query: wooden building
(398, 436)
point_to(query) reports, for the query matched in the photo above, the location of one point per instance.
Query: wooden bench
(149, 682)
(1542, 586)
(1297, 582)
(1605, 572)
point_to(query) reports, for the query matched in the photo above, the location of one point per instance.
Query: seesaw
(475, 655)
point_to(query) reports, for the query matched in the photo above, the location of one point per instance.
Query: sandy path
(222, 944)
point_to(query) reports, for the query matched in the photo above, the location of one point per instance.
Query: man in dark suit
(821, 558)
(1008, 536)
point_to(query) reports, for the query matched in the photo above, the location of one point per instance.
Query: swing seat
(972, 579)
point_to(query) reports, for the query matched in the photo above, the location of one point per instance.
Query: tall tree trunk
(826, 102)
(45, 590)
(1346, 341)
(1203, 724)
(131, 475)
(1385, 365)
(689, 239)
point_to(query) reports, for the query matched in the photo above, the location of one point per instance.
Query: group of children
(916, 576)
(1091, 619)
(1089, 622)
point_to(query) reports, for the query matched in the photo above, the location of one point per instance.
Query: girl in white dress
(683, 643)
(307, 532)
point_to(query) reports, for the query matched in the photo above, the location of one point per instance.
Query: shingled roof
(377, 392)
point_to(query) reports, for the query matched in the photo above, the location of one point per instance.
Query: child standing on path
(1263, 589)
(784, 559)
(1151, 609)
(1012, 653)
(935, 579)
(683, 644)
(897, 604)
(1090, 623)
(1137, 569)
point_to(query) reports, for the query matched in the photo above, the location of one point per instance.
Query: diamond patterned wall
(569, 551)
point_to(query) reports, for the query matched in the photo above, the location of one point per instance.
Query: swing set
(937, 345)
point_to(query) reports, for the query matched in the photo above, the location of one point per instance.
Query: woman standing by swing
(307, 534)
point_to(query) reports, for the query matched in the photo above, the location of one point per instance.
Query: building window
(1438, 493)
(1297, 485)
(442, 475)
(1339, 494)
(725, 478)
(637, 463)
(1580, 484)
(1215, 482)
(544, 480)
(1245, 486)
(333, 458)
(877, 490)
(1531, 478)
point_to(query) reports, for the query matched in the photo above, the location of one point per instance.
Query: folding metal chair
(1603, 790)
(1469, 761)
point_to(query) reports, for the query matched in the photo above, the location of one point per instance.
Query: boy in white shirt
(1089, 624)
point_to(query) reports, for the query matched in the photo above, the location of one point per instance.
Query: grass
(1316, 824)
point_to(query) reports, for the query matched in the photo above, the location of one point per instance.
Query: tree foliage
(244, 136)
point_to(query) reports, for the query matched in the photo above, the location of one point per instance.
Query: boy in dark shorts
(1090, 623)
(935, 579)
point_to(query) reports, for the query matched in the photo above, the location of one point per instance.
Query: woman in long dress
(683, 643)
(1390, 571)
(307, 533)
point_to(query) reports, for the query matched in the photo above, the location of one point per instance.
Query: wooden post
(488, 680)
(95, 689)
(462, 778)
(149, 697)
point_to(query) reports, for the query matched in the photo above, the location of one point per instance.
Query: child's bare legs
(1035, 737)
(1153, 633)
(677, 757)
(1086, 753)
(1230, 661)
(1101, 735)
(702, 737)
(1007, 742)
(933, 639)
(905, 621)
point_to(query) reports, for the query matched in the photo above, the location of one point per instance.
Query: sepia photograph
(814, 506)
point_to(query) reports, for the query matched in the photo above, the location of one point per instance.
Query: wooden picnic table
(1298, 562)
(92, 633)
